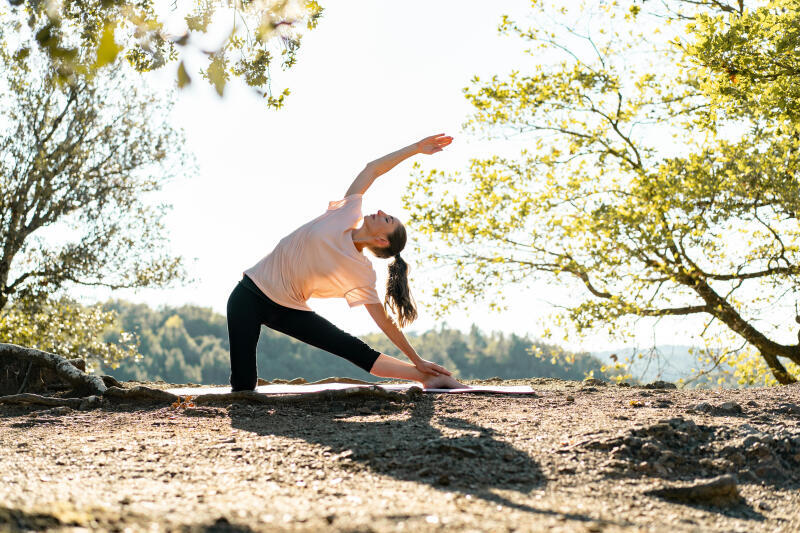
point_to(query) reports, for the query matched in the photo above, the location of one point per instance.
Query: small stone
(770, 471)
(660, 385)
(732, 408)
(90, 402)
(748, 475)
(570, 399)
(720, 491)
(649, 450)
(789, 409)
(750, 440)
(594, 382)
(667, 456)
(703, 407)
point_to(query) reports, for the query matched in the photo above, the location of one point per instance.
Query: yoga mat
(300, 389)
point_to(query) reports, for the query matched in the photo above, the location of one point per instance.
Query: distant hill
(669, 362)
(190, 344)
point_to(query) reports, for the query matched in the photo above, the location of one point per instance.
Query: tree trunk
(724, 311)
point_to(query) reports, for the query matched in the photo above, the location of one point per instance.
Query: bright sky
(373, 77)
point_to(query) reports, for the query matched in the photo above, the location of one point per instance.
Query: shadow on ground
(412, 449)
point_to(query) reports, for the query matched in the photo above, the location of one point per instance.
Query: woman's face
(381, 224)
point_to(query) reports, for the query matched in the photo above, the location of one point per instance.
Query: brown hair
(398, 295)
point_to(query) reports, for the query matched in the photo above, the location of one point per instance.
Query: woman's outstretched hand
(434, 143)
(426, 367)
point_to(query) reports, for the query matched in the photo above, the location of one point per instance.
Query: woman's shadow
(472, 462)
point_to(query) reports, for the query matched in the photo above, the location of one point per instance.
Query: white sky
(373, 77)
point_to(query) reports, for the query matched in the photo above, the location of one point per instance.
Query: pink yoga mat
(300, 389)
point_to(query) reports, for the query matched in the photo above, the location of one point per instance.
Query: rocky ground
(573, 457)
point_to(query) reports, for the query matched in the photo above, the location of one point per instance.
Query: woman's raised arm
(428, 145)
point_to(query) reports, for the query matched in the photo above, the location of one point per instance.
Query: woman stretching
(324, 259)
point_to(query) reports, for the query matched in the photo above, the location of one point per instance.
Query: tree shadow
(412, 449)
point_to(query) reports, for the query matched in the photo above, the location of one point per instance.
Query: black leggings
(249, 308)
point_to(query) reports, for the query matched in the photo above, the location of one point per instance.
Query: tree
(81, 37)
(754, 53)
(76, 163)
(63, 326)
(651, 186)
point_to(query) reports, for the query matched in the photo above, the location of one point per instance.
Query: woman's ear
(380, 242)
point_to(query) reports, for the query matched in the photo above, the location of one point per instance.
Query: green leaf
(183, 77)
(216, 73)
(108, 48)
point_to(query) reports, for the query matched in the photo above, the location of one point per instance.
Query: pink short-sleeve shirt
(319, 260)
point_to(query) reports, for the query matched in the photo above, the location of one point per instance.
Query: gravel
(574, 457)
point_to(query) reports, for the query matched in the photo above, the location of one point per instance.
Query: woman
(324, 259)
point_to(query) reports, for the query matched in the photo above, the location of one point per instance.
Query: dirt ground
(576, 456)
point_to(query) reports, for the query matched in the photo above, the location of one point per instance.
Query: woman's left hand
(427, 367)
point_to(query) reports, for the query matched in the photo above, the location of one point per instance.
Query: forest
(189, 344)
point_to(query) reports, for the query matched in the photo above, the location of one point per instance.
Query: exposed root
(374, 393)
(35, 399)
(140, 393)
(60, 365)
(110, 381)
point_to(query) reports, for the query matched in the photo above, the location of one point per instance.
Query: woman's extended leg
(315, 330)
(387, 366)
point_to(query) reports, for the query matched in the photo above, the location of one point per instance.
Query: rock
(721, 491)
(660, 385)
(570, 398)
(789, 409)
(621, 451)
(633, 442)
(770, 471)
(729, 408)
(443, 480)
(748, 475)
(649, 450)
(703, 407)
(667, 456)
(90, 402)
(750, 440)
(594, 382)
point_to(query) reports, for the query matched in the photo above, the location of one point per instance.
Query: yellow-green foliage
(79, 37)
(66, 328)
(652, 185)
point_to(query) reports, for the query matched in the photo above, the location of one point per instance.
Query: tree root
(140, 393)
(61, 366)
(35, 399)
(361, 393)
(108, 387)
(110, 381)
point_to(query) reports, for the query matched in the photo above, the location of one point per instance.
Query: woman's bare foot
(442, 382)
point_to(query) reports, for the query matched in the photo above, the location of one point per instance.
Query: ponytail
(398, 295)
